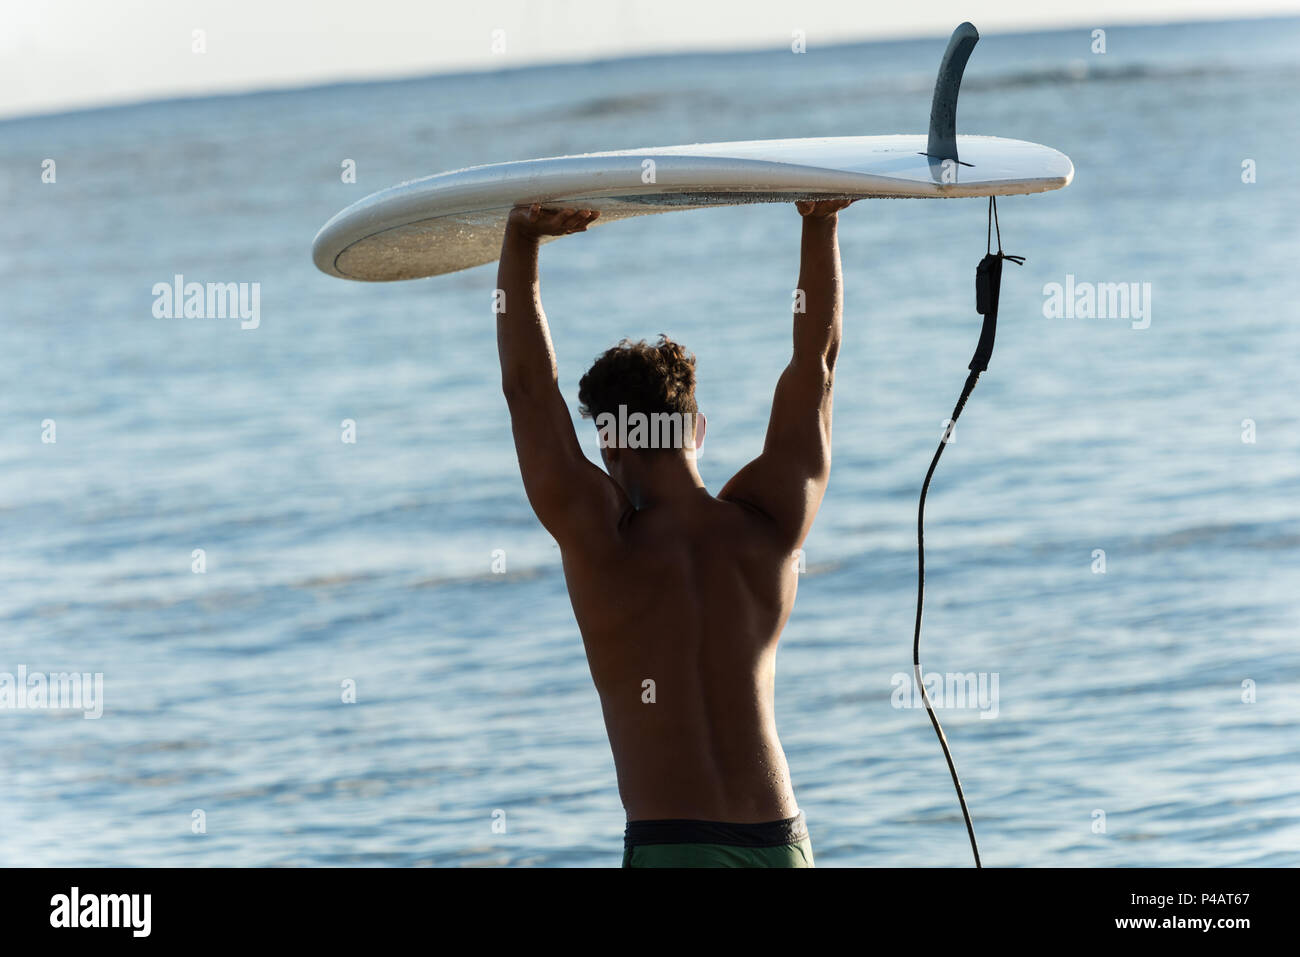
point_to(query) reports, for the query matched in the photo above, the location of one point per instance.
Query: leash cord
(988, 282)
(920, 600)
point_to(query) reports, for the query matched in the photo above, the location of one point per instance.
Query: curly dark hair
(642, 377)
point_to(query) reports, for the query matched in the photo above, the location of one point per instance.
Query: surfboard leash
(988, 284)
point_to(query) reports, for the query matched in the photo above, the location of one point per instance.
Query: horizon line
(540, 63)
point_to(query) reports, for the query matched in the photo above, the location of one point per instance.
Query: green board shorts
(685, 843)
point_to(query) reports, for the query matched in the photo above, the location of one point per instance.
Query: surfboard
(453, 221)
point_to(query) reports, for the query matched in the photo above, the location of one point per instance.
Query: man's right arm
(787, 481)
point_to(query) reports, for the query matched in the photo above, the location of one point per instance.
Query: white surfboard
(453, 221)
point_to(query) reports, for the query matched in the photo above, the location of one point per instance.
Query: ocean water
(1124, 697)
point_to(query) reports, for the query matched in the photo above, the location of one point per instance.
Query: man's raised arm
(787, 481)
(565, 489)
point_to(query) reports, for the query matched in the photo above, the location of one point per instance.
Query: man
(680, 595)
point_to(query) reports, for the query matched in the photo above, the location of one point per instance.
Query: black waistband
(767, 834)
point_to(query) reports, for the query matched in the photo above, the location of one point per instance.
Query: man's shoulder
(749, 515)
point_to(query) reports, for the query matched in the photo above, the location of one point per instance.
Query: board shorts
(685, 843)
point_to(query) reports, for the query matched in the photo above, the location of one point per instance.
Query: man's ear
(700, 426)
(605, 439)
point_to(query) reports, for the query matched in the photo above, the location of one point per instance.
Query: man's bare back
(690, 594)
(680, 596)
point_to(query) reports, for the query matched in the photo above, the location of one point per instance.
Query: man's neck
(662, 479)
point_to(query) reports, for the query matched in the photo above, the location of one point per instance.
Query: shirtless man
(680, 595)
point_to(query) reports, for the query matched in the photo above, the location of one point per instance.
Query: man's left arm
(566, 490)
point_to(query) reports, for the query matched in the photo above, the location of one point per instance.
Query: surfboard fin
(942, 144)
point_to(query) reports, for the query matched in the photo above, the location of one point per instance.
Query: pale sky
(65, 54)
